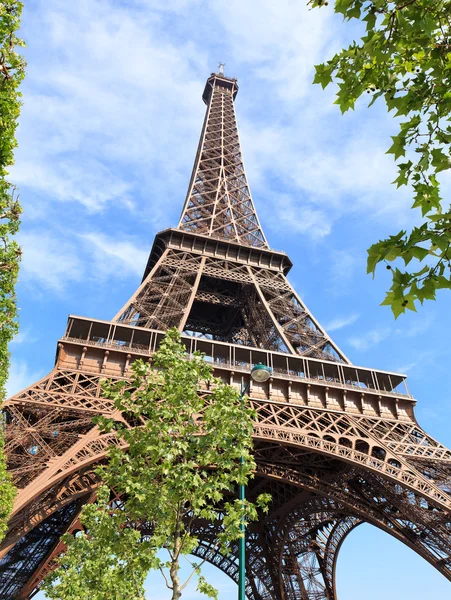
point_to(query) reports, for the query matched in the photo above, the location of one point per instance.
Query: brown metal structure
(336, 445)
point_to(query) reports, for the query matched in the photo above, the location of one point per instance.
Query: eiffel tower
(336, 445)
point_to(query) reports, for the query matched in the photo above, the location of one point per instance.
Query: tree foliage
(180, 463)
(404, 58)
(12, 70)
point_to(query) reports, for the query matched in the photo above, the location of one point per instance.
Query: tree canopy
(179, 457)
(12, 71)
(404, 58)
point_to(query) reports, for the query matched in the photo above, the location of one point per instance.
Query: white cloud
(419, 325)
(91, 184)
(340, 176)
(282, 41)
(369, 339)
(341, 322)
(49, 262)
(420, 365)
(405, 368)
(53, 262)
(20, 377)
(416, 327)
(92, 131)
(24, 336)
(112, 256)
(343, 265)
(295, 140)
(91, 121)
(309, 220)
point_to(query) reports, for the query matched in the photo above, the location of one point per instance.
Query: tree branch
(165, 578)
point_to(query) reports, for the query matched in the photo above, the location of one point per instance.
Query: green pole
(259, 373)
(242, 554)
(242, 546)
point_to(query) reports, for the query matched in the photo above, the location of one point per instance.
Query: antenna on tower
(221, 68)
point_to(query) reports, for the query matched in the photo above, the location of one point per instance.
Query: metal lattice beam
(219, 201)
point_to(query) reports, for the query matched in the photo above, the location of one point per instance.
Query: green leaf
(342, 6)
(440, 160)
(427, 291)
(396, 304)
(323, 75)
(419, 252)
(398, 146)
(207, 589)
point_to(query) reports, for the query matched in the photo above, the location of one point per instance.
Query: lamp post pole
(259, 373)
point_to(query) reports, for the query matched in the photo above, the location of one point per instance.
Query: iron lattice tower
(336, 444)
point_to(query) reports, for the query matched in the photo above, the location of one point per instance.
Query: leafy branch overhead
(174, 470)
(12, 71)
(404, 58)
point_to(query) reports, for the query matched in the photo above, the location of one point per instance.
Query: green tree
(12, 70)
(404, 57)
(178, 464)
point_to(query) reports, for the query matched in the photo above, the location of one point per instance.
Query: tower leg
(23, 568)
(309, 555)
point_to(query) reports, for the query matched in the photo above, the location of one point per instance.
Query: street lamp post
(259, 373)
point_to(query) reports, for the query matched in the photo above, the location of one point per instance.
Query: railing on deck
(115, 336)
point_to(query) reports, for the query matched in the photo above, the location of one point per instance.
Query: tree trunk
(174, 571)
(176, 591)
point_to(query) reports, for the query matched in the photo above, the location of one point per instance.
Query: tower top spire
(222, 81)
(219, 202)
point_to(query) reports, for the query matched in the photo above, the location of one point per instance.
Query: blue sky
(110, 123)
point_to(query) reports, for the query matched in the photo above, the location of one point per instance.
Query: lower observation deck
(109, 348)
